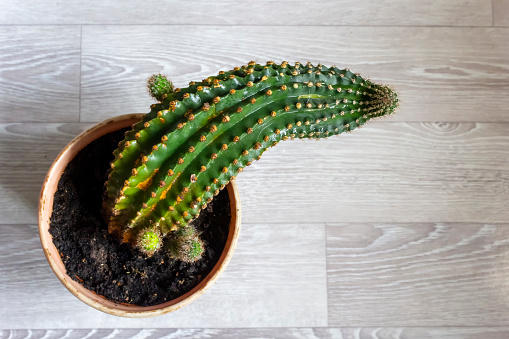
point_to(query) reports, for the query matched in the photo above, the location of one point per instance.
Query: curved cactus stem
(173, 163)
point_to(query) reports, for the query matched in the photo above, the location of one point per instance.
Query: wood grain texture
(389, 172)
(384, 172)
(39, 74)
(277, 278)
(27, 151)
(441, 74)
(418, 274)
(416, 205)
(273, 333)
(261, 12)
(501, 12)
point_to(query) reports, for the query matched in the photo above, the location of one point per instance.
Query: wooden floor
(398, 230)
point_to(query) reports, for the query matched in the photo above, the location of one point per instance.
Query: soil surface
(99, 261)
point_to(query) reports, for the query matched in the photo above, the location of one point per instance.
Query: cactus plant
(198, 138)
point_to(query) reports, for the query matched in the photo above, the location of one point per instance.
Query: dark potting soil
(99, 261)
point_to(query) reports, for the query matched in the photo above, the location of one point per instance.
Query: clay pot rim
(90, 298)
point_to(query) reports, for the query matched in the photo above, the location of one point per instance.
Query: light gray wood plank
(501, 12)
(273, 333)
(389, 172)
(261, 12)
(39, 73)
(418, 274)
(277, 278)
(384, 172)
(27, 150)
(441, 74)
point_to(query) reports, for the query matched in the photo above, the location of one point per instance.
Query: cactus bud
(158, 85)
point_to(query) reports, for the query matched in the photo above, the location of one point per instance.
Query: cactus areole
(198, 138)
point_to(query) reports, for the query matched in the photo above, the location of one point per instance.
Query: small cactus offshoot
(149, 241)
(158, 85)
(185, 245)
(198, 138)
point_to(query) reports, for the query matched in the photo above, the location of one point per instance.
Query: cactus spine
(192, 143)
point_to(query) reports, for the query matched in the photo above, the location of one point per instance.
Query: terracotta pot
(46, 207)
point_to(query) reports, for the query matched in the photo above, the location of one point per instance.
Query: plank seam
(241, 25)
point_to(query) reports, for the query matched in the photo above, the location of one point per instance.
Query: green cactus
(149, 240)
(185, 245)
(192, 143)
(158, 85)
